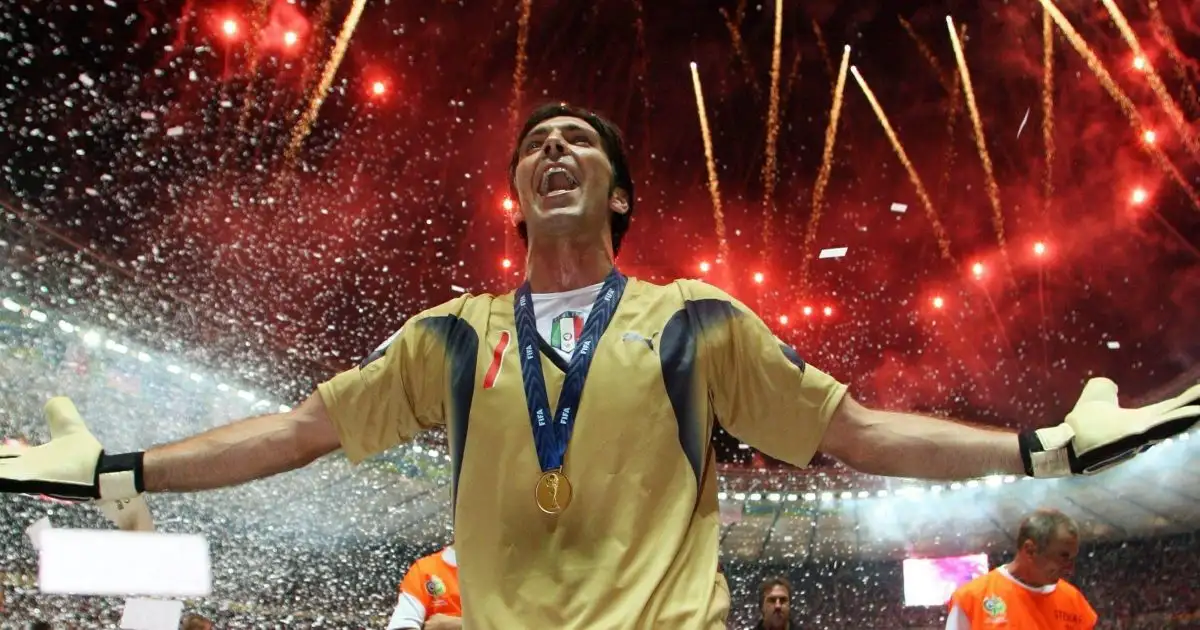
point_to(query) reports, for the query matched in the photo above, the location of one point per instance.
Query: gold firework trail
(927, 54)
(739, 49)
(1126, 105)
(1183, 67)
(714, 189)
(818, 199)
(302, 128)
(1156, 84)
(993, 190)
(514, 108)
(1048, 108)
(772, 131)
(938, 231)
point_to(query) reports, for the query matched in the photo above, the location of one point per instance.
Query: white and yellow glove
(72, 466)
(1098, 433)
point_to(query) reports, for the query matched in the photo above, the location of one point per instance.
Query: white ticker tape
(151, 614)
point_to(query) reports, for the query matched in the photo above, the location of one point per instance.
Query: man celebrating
(429, 595)
(584, 481)
(1030, 591)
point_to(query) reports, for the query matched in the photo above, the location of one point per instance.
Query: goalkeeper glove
(1098, 433)
(72, 466)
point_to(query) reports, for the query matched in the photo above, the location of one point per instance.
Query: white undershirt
(563, 307)
(957, 619)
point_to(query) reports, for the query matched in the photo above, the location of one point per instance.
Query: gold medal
(553, 491)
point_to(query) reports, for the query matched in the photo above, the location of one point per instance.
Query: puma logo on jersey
(636, 337)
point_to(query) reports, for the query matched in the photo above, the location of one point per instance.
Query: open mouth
(557, 180)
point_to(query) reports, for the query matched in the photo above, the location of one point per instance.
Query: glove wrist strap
(1048, 452)
(120, 476)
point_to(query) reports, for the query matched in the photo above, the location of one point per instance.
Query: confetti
(832, 252)
(899, 207)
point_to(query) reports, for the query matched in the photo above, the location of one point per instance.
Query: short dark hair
(1042, 526)
(771, 583)
(614, 147)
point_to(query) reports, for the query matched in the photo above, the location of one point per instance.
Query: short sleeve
(397, 391)
(762, 392)
(413, 604)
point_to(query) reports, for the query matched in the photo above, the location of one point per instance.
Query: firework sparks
(938, 231)
(1048, 108)
(514, 108)
(768, 172)
(1131, 112)
(814, 218)
(739, 49)
(1182, 66)
(302, 128)
(714, 190)
(1156, 84)
(993, 189)
(928, 55)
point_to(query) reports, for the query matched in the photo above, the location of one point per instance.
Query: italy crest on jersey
(565, 331)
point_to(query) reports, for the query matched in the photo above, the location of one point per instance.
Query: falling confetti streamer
(302, 128)
(1156, 84)
(714, 189)
(993, 190)
(1024, 119)
(1135, 118)
(938, 231)
(514, 107)
(769, 163)
(818, 197)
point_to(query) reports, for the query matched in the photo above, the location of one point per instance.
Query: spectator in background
(775, 596)
(196, 622)
(429, 596)
(1030, 591)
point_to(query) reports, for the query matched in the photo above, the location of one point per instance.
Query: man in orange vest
(429, 596)
(1030, 592)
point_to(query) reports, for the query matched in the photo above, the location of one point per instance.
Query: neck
(563, 264)
(1021, 572)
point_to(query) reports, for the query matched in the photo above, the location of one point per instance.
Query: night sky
(160, 143)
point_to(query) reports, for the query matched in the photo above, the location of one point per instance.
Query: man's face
(1057, 560)
(776, 608)
(564, 179)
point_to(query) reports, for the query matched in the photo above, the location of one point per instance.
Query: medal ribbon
(552, 432)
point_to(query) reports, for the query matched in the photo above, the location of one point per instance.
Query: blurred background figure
(429, 596)
(1031, 591)
(776, 597)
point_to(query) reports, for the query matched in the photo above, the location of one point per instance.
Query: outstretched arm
(242, 451)
(910, 445)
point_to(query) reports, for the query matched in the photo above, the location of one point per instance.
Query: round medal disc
(553, 492)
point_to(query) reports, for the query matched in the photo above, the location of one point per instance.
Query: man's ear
(618, 201)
